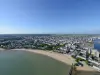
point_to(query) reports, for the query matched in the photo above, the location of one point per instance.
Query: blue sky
(49, 16)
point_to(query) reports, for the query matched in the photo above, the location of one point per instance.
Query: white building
(96, 65)
(95, 52)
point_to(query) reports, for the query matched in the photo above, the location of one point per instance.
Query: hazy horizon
(49, 17)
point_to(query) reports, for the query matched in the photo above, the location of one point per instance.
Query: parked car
(79, 64)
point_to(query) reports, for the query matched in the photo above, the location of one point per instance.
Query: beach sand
(86, 71)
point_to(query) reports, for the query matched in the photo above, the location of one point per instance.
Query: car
(80, 64)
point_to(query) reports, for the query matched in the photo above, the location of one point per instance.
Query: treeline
(30, 45)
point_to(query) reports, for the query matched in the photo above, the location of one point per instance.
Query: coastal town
(80, 47)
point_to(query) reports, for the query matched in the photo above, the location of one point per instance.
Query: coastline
(65, 58)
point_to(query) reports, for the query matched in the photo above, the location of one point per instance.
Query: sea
(97, 44)
(27, 63)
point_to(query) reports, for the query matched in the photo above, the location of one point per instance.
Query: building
(95, 52)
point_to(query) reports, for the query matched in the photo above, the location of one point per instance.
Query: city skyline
(49, 17)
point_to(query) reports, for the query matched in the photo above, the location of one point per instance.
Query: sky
(49, 16)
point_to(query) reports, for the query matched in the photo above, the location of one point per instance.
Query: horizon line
(51, 34)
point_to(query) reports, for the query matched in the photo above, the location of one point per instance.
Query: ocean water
(97, 44)
(27, 63)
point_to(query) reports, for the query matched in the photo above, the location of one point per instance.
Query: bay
(27, 63)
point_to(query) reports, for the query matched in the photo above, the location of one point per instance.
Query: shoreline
(64, 58)
(67, 59)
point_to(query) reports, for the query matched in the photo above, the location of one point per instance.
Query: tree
(87, 55)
